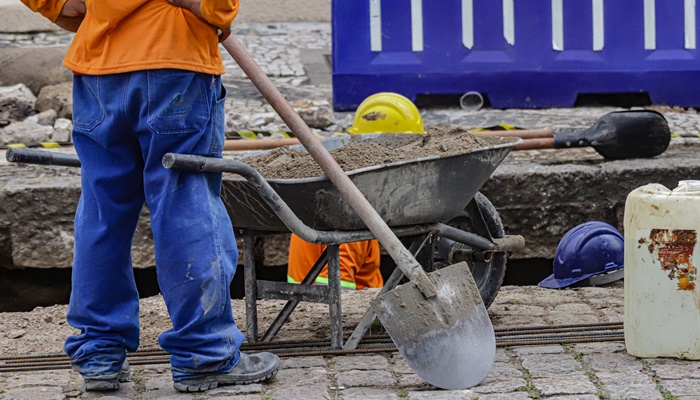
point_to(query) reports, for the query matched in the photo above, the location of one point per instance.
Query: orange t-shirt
(359, 263)
(130, 35)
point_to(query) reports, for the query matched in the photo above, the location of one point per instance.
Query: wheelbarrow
(415, 197)
(433, 202)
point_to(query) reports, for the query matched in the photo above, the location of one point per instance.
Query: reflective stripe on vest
(324, 281)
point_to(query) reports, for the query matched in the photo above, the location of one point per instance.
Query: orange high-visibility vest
(359, 263)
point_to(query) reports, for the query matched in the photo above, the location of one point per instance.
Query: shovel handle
(267, 144)
(525, 134)
(535, 144)
(403, 258)
(262, 144)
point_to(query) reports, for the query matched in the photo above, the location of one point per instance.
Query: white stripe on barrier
(598, 25)
(375, 24)
(468, 23)
(598, 17)
(650, 24)
(417, 24)
(509, 21)
(690, 35)
(558, 25)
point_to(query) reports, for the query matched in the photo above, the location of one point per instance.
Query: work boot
(251, 368)
(108, 382)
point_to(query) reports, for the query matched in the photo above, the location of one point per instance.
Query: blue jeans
(123, 125)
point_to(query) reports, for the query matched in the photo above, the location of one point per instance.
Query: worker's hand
(72, 15)
(193, 5)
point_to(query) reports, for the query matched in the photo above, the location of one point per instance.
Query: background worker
(147, 82)
(359, 261)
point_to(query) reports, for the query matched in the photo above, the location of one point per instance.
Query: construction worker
(359, 261)
(148, 82)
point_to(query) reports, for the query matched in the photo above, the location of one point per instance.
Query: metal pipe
(42, 157)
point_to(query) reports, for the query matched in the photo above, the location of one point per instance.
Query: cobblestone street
(578, 371)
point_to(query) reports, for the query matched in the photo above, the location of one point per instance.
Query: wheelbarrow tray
(417, 191)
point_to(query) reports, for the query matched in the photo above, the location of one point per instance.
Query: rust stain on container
(674, 250)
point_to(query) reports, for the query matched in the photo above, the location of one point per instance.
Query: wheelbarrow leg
(334, 307)
(251, 287)
(292, 304)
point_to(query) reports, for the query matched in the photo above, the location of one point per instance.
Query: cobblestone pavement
(576, 371)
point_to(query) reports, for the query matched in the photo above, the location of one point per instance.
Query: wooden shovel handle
(260, 144)
(535, 144)
(266, 144)
(525, 134)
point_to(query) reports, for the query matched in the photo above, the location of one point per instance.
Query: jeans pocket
(87, 107)
(219, 122)
(178, 102)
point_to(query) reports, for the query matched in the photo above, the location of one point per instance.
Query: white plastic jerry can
(662, 294)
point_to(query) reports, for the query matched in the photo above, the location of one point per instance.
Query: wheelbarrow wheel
(488, 273)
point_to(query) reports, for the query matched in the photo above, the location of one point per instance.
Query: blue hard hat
(586, 251)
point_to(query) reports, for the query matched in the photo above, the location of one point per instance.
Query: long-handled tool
(616, 135)
(437, 321)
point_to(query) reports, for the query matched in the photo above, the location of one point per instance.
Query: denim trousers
(123, 125)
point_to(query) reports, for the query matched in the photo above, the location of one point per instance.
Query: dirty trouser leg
(104, 300)
(196, 252)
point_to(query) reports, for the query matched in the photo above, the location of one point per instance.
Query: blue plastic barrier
(519, 53)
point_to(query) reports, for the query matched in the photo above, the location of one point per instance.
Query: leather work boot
(110, 382)
(251, 368)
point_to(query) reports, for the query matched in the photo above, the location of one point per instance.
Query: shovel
(437, 321)
(616, 135)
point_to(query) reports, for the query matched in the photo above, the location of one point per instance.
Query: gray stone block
(56, 97)
(565, 385)
(15, 17)
(543, 200)
(36, 67)
(362, 363)
(368, 394)
(551, 365)
(358, 378)
(35, 393)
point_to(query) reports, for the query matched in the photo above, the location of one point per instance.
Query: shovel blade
(447, 340)
(621, 135)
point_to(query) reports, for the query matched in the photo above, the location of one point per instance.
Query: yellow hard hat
(387, 112)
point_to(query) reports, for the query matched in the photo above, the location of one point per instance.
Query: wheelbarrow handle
(41, 157)
(403, 258)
